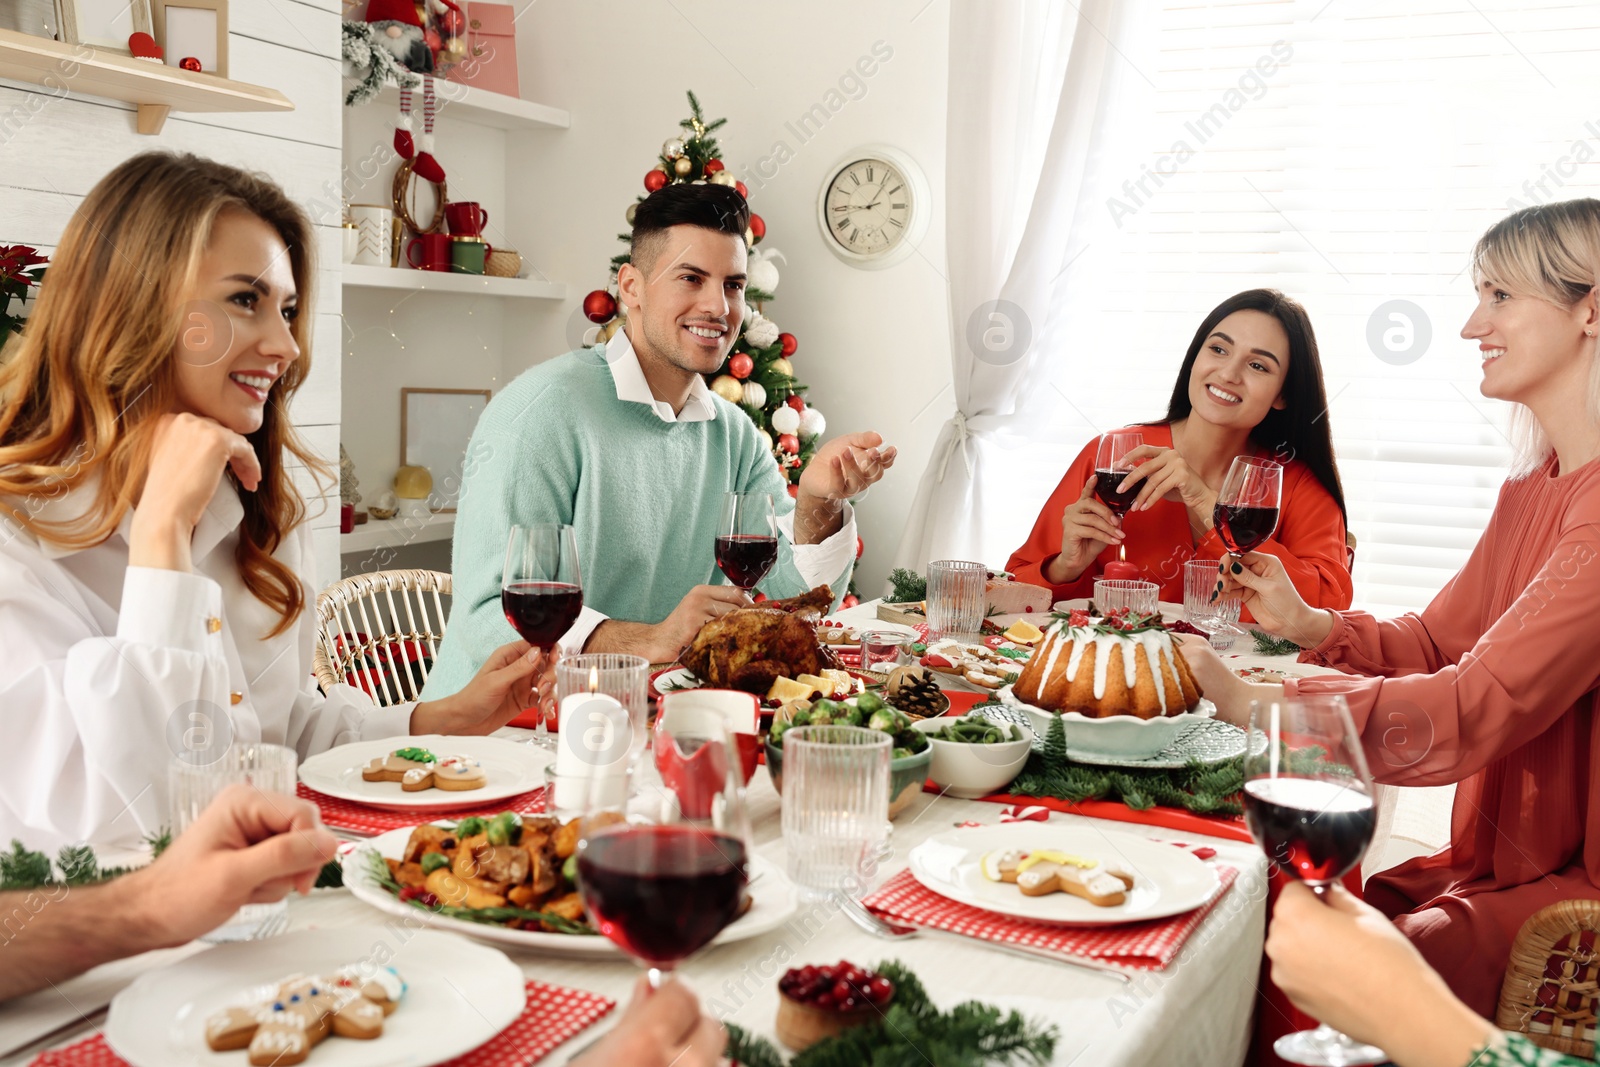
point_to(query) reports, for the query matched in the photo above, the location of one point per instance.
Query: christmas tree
(757, 375)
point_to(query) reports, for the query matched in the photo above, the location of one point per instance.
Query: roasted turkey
(749, 647)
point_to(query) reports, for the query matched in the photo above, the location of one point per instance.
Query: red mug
(466, 218)
(697, 776)
(435, 251)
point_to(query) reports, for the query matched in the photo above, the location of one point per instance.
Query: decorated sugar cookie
(350, 1003)
(455, 773)
(393, 767)
(1044, 871)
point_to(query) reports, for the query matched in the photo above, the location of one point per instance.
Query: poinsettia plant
(21, 270)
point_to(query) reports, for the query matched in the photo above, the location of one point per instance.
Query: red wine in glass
(662, 892)
(1112, 465)
(541, 611)
(747, 538)
(1313, 828)
(1242, 528)
(746, 558)
(1105, 487)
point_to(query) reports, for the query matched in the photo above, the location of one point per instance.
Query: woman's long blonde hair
(82, 386)
(1549, 251)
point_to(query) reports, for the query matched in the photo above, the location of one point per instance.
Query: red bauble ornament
(787, 343)
(861, 546)
(796, 402)
(599, 306)
(189, 63)
(794, 490)
(740, 365)
(789, 443)
(850, 600)
(758, 227)
(742, 189)
(654, 179)
(713, 165)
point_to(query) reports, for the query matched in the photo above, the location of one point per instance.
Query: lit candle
(585, 752)
(1121, 568)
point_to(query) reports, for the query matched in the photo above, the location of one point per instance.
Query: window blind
(1349, 153)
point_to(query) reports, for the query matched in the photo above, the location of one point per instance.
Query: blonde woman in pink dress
(1493, 685)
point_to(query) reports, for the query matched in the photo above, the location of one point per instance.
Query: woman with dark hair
(1250, 384)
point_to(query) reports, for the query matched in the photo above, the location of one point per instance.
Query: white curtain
(1027, 79)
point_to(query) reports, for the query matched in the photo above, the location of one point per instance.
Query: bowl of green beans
(974, 756)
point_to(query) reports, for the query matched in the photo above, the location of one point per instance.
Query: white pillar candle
(594, 743)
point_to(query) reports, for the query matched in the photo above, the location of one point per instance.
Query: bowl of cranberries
(817, 1002)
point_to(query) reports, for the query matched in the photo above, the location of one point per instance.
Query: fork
(877, 926)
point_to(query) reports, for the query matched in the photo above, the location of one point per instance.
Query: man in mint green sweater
(627, 444)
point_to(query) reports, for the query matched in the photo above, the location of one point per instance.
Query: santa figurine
(399, 26)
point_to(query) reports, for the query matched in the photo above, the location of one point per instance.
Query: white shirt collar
(632, 386)
(222, 516)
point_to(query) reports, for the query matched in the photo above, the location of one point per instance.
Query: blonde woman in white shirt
(153, 553)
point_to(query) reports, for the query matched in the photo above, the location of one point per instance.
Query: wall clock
(874, 207)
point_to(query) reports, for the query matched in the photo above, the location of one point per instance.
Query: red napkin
(361, 819)
(1151, 945)
(552, 1016)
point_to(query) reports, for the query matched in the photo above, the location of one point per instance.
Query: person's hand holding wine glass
(541, 591)
(1094, 520)
(1308, 802)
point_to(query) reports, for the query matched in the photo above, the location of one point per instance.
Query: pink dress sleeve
(1455, 689)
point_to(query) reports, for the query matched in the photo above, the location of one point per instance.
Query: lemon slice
(1023, 632)
(786, 689)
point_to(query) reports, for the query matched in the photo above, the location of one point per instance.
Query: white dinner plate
(511, 767)
(458, 995)
(1166, 880)
(674, 679)
(772, 903)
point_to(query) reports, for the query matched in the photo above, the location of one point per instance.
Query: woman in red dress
(1494, 686)
(1250, 384)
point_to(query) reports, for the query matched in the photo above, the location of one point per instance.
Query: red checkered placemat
(348, 815)
(1148, 946)
(552, 1016)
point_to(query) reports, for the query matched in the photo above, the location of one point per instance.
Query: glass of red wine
(1308, 801)
(1247, 508)
(1111, 466)
(747, 538)
(541, 591)
(662, 869)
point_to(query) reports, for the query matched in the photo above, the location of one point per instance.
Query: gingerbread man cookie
(1045, 871)
(393, 767)
(455, 773)
(304, 1010)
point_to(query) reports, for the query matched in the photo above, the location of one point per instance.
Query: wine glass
(1111, 465)
(1308, 801)
(747, 538)
(1247, 508)
(663, 856)
(541, 591)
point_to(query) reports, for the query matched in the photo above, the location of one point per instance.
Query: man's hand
(843, 468)
(248, 847)
(660, 1028)
(516, 676)
(704, 603)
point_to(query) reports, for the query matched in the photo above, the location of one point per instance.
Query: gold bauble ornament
(632, 208)
(783, 366)
(749, 237)
(728, 388)
(722, 177)
(609, 330)
(766, 440)
(683, 166)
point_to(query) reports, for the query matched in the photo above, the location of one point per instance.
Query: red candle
(1121, 568)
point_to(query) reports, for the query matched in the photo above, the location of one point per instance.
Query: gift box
(491, 59)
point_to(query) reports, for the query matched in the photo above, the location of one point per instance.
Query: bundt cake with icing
(1099, 667)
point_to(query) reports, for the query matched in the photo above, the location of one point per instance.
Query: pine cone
(913, 690)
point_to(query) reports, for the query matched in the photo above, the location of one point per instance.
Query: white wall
(873, 344)
(53, 150)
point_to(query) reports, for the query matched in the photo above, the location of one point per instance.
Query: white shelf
(398, 532)
(480, 106)
(154, 87)
(430, 281)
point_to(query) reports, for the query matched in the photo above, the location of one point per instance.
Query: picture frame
(435, 429)
(197, 28)
(104, 25)
(37, 18)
